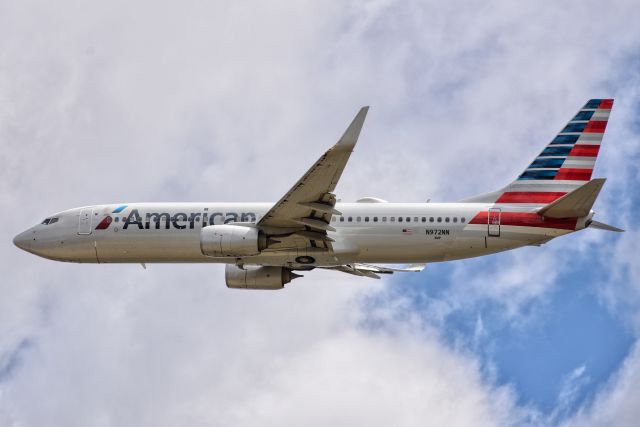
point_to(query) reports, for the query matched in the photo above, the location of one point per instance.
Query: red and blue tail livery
(572, 154)
(565, 164)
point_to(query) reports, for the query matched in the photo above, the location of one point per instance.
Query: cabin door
(84, 224)
(494, 222)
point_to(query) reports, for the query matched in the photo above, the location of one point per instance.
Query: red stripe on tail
(606, 104)
(595, 126)
(574, 174)
(529, 197)
(584, 150)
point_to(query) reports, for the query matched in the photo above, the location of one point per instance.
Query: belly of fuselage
(172, 246)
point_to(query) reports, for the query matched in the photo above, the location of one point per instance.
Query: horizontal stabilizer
(575, 204)
(603, 226)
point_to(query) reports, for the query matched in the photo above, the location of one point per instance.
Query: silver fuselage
(170, 233)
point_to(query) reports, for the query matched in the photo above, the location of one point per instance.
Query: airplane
(264, 244)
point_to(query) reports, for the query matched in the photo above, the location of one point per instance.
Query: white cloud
(132, 354)
(617, 403)
(571, 385)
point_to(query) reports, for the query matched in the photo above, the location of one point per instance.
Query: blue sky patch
(566, 334)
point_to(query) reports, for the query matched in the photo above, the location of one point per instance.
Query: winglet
(350, 136)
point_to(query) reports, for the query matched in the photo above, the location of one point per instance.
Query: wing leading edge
(303, 214)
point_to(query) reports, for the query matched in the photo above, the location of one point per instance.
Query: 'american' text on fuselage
(179, 220)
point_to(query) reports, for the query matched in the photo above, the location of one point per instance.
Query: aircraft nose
(23, 241)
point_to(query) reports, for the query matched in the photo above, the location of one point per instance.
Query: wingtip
(350, 136)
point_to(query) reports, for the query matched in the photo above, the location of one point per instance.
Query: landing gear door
(84, 224)
(494, 222)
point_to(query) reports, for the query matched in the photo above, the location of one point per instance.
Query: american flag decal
(407, 231)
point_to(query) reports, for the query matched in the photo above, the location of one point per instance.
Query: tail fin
(565, 164)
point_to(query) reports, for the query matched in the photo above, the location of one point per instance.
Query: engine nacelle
(257, 277)
(231, 241)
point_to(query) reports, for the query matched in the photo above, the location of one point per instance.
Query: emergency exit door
(494, 222)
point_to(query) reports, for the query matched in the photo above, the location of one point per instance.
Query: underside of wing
(373, 271)
(301, 218)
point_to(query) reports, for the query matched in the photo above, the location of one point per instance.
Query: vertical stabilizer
(565, 164)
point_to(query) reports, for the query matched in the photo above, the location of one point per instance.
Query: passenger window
(117, 219)
(455, 219)
(359, 219)
(384, 219)
(392, 219)
(424, 219)
(350, 219)
(366, 219)
(333, 219)
(341, 219)
(446, 219)
(430, 219)
(375, 219)
(408, 219)
(399, 219)
(439, 219)
(415, 219)
(463, 219)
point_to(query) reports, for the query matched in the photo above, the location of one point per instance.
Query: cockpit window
(46, 221)
(53, 220)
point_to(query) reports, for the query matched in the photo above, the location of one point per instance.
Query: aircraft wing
(306, 209)
(373, 271)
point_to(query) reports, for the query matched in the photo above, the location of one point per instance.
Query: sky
(233, 101)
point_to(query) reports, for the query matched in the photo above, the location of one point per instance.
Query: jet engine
(257, 277)
(231, 241)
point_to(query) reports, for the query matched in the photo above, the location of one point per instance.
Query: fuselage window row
(393, 219)
(334, 219)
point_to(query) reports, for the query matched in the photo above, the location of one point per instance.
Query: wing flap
(315, 223)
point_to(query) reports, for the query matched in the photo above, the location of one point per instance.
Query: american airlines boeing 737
(263, 244)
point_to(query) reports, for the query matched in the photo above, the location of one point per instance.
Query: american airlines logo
(179, 220)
